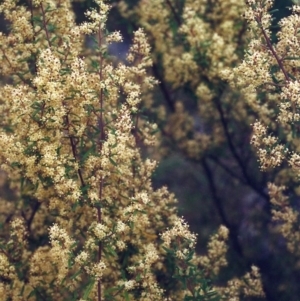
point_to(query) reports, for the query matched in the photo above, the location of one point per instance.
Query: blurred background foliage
(218, 188)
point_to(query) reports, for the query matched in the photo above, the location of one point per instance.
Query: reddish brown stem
(101, 139)
(270, 46)
(45, 25)
(273, 51)
(174, 12)
(74, 152)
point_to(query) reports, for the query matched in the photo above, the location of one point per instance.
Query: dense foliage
(207, 83)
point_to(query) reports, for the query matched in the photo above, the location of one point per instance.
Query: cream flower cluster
(269, 67)
(217, 249)
(285, 217)
(180, 230)
(249, 285)
(270, 152)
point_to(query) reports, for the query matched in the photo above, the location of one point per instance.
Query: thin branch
(227, 169)
(234, 152)
(273, 84)
(45, 25)
(32, 215)
(101, 139)
(218, 203)
(34, 33)
(163, 87)
(177, 18)
(74, 152)
(270, 46)
(241, 34)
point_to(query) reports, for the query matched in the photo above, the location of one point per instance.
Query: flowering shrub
(269, 75)
(84, 222)
(198, 114)
(221, 69)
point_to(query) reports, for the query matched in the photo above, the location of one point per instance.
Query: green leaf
(110, 76)
(32, 293)
(51, 27)
(291, 58)
(273, 11)
(76, 274)
(126, 295)
(95, 64)
(37, 18)
(108, 293)
(291, 76)
(22, 290)
(112, 162)
(53, 39)
(110, 251)
(87, 154)
(89, 288)
(138, 277)
(106, 93)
